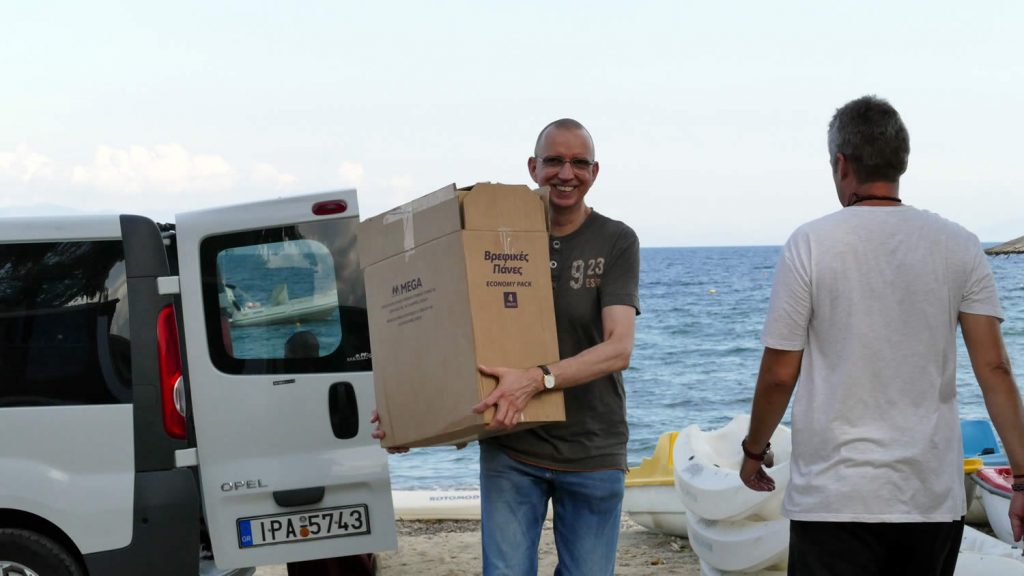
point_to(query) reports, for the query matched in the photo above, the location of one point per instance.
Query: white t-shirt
(872, 294)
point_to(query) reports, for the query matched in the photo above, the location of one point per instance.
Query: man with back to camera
(579, 464)
(864, 309)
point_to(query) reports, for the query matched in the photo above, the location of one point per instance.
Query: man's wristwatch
(549, 378)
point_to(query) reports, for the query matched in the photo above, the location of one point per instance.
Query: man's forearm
(984, 340)
(611, 355)
(591, 364)
(776, 381)
(1004, 408)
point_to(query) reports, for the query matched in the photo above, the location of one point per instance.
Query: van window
(285, 300)
(64, 331)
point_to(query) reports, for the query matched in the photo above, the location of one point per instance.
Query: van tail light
(172, 385)
(328, 207)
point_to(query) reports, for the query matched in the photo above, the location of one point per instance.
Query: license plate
(303, 526)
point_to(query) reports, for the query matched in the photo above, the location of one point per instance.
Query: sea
(697, 353)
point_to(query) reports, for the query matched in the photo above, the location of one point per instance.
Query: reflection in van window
(64, 333)
(285, 300)
(271, 292)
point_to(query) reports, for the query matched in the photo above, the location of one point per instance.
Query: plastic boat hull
(740, 545)
(656, 508)
(706, 466)
(993, 487)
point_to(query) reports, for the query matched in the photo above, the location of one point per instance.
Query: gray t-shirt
(598, 265)
(872, 295)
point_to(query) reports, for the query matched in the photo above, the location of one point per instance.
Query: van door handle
(344, 411)
(299, 496)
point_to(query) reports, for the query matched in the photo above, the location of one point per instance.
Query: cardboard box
(455, 279)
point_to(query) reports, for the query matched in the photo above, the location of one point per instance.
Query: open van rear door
(279, 370)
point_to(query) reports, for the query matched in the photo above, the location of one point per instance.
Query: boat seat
(656, 470)
(978, 437)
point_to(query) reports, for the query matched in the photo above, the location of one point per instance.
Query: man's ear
(843, 167)
(531, 164)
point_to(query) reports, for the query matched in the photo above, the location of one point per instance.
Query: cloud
(25, 165)
(268, 176)
(160, 169)
(401, 184)
(351, 173)
(161, 180)
(379, 194)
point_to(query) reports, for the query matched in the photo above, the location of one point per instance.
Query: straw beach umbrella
(1011, 247)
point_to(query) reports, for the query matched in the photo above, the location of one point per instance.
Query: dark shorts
(870, 549)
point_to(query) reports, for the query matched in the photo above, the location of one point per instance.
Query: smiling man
(578, 465)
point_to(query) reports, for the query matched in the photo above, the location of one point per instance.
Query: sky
(709, 118)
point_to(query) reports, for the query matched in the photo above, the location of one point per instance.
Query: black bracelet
(761, 456)
(1017, 486)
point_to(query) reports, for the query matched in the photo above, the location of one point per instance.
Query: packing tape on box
(505, 235)
(433, 199)
(404, 214)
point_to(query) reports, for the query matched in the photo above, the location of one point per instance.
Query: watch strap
(758, 456)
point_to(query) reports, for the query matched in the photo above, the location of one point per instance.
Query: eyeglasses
(556, 163)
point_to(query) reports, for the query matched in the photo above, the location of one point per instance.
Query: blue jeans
(514, 501)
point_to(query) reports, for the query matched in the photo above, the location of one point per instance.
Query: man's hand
(1017, 515)
(379, 434)
(754, 476)
(515, 388)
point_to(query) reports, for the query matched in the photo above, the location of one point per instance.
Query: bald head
(563, 124)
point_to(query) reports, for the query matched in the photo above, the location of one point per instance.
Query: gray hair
(563, 124)
(870, 134)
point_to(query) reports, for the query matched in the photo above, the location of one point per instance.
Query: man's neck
(875, 193)
(567, 222)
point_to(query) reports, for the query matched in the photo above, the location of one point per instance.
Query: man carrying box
(579, 464)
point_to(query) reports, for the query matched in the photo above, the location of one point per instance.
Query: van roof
(56, 228)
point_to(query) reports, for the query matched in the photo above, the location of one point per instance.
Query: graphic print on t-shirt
(586, 273)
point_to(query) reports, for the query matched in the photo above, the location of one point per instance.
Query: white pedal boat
(972, 564)
(436, 504)
(980, 555)
(975, 509)
(439, 505)
(706, 467)
(709, 570)
(650, 499)
(740, 545)
(983, 555)
(980, 441)
(994, 490)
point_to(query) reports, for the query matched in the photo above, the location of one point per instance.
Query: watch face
(549, 381)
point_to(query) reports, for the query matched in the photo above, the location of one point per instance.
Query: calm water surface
(697, 352)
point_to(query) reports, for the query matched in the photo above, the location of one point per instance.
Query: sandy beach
(452, 548)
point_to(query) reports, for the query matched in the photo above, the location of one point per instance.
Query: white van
(126, 449)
